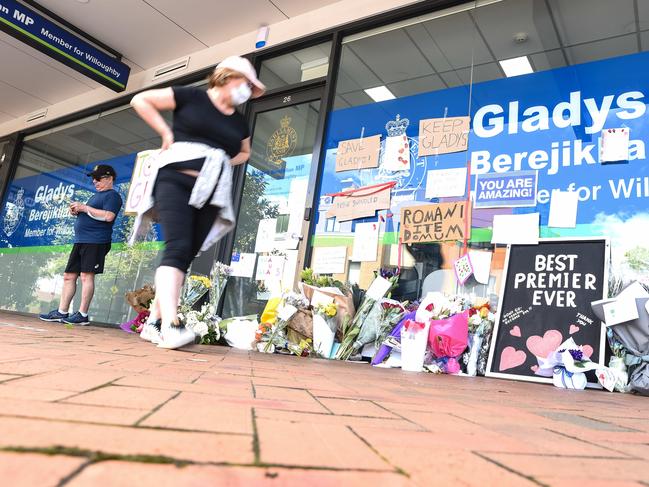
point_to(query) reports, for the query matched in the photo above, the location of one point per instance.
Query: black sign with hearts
(545, 299)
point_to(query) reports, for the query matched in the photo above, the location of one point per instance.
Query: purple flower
(577, 355)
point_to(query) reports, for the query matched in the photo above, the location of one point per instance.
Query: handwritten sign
(443, 183)
(443, 135)
(359, 203)
(545, 299)
(329, 260)
(139, 180)
(270, 268)
(358, 153)
(435, 223)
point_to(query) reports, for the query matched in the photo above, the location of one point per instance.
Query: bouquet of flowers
(393, 340)
(336, 290)
(391, 314)
(481, 323)
(219, 276)
(302, 349)
(567, 366)
(364, 327)
(194, 288)
(271, 333)
(140, 300)
(203, 322)
(324, 328)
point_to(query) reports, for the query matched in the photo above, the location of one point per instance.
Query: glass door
(271, 234)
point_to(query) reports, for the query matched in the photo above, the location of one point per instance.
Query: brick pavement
(94, 406)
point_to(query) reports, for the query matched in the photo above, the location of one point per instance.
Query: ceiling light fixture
(516, 66)
(83, 1)
(379, 93)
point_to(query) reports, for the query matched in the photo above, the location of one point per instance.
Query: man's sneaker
(53, 316)
(76, 319)
(151, 332)
(176, 336)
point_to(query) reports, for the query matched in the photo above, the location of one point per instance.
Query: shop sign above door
(31, 28)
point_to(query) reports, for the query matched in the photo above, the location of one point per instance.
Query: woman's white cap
(243, 66)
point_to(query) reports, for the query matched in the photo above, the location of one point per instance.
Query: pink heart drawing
(573, 329)
(588, 350)
(534, 368)
(510, 358)
(515, 332)
(542, 347)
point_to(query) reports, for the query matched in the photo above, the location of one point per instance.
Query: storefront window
(298, 66)
(539, 81)
(271, 228)
(37, 231)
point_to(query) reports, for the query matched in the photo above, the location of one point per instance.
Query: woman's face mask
(240, 94)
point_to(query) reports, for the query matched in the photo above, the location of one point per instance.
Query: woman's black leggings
(184, 227)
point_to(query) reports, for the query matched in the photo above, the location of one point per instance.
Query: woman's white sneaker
(151, 332)
(176, 336)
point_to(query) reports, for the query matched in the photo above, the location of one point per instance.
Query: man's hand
(76, 208)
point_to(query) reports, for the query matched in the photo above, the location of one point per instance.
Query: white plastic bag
(240, 333)
(413, 346)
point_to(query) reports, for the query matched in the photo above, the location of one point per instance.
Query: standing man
(93, 232)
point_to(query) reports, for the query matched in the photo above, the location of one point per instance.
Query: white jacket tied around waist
(213, 185)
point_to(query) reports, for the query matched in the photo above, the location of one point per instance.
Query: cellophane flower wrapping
(365, 325)
(384, 350)
(194, 288)
(481, 323)
(219, 275)
(203, 322)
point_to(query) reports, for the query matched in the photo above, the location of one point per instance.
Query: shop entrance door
(270, 238)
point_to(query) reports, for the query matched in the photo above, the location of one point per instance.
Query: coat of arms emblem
(282, 143)
(14, 214)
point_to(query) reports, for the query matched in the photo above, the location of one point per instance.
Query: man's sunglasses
(95, 178)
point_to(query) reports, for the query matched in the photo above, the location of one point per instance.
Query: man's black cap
(102, 170)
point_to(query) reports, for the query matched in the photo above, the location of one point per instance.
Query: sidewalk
(98, 407)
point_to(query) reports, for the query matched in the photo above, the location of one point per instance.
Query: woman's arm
(148, 105)
(243, 155)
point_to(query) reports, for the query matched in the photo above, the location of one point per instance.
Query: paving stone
(30, 469)
(312, 444)
(69, 412)
(601, 468)
(122, 474)
(198, 447)
(75, 380)
(202, 412)
(123, 397)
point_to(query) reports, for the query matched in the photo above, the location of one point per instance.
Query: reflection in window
(296, 67)
(50, 174)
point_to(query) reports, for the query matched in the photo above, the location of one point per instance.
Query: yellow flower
(330, 310)
(270, 312)
(203, 280)
(484, 312)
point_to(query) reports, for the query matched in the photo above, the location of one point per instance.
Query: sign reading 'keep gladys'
(443, 135)
(435, 223)
(357, 154)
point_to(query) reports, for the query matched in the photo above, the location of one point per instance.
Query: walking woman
(190, 192)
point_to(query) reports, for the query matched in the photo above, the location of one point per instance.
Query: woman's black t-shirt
(196, 119)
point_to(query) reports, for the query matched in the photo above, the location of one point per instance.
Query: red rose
(430, 307)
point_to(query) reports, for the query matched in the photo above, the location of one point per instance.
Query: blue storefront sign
(548, 122)
(30, 27)
(514, 189)
(37, 208)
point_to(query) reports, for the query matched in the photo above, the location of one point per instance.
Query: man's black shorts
(87, 257)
